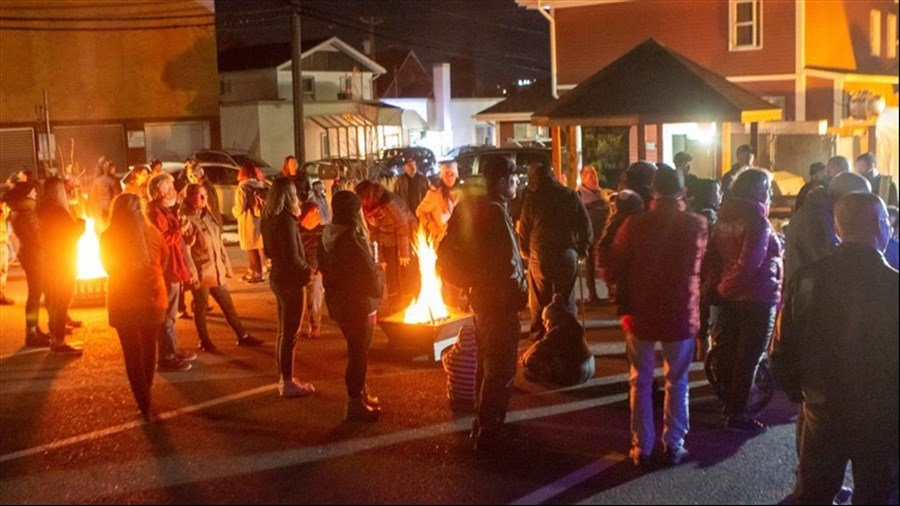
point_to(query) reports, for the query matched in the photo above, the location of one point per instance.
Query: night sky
(502, 41)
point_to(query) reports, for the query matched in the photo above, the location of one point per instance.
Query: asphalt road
(70, 433)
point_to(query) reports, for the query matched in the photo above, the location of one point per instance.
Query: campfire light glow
(429, 306)
(89, 266)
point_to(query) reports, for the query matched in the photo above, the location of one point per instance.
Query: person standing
(353, 291)
(435, 209)
(818, 178)
(481, 243)
(836, 355)
(60, 233)
(882, 184)
(656, 260)
(137, 296)
(161, 213)
(554, 232)
(392, 226)
(745, 156)
(318, 196)
(249, 199)
(291, 169)
(196, 175)
(747, 284)
(597, 207)
(411, 186)
(289, 277)
(311, 228)
(22, 200)
(210, 269)
(4, 253)
(104, 188)
(811, 235)
(136, 182)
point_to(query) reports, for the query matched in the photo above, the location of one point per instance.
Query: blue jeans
(167, 336)
(677, 357)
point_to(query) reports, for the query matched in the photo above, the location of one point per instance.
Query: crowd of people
(682, 257)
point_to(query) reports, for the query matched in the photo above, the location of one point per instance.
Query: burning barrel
(427, 325)
(90, 284)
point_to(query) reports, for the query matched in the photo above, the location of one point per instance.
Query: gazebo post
(725, 164)
(754, 137)
(571, 174)
(555, 136)
(659, 143)
(642, 141)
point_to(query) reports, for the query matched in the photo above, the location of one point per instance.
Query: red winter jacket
(655, 262)
(748, 253)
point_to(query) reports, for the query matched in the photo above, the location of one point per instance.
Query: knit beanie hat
(667, 182)
(556, 312)
(345, 206)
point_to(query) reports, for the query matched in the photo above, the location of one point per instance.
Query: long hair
(280, 197)
(128, 226)
(54, 193)
(247, 171)
(285, 169)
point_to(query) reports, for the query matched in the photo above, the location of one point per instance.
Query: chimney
(441, 79)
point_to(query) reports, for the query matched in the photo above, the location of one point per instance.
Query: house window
(346, 90)
(875, 32)
(745, 24)
(891, 36)
(324, 145)
(225, 87)
(309, 88)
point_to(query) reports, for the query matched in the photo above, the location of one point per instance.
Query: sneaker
(675, 455)
(500, 443)
(184, 315)
(747, 425)
(6, 301)
(247, 341)
(844, 495)
(37, 339)
(256, 279)
(187, 356)
(638, 457)
(359, 411)
(65, 349)
(208, 347)
(173, 365)
(294, 388)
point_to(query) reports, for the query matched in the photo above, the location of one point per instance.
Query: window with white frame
(891, 36)
(346, 88)
(875, 32)
(745, 24)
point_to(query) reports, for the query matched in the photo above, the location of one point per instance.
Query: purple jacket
(748, 253)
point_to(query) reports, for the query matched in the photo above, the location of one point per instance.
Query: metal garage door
(16, 151)
(176, 141)
(90, 143)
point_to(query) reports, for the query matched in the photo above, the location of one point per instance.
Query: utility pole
(297, 81)
(372, 21)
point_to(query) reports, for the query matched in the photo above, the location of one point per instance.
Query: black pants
(139, 347)
(497, 337)
(358, 334)
(33, 265)
(402, 282)
(59, 296)
(547, 276)
(744, 331)
(291, 300)
(825, 445)
(590, 270)
(223, 298)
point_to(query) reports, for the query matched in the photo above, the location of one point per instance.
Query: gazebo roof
(651, 84)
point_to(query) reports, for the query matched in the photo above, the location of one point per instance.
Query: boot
(359, 411)
(34, 338)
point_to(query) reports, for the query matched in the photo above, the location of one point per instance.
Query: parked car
(391, 161)
(469, 164)
(355, 169)
(458, 151)
(233, 157)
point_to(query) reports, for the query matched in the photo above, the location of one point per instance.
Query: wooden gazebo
(649, 86)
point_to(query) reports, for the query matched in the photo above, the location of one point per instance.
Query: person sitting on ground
(562, 357)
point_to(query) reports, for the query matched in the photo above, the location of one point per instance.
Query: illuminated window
(891, 36)
(745, 24)
(875, 32)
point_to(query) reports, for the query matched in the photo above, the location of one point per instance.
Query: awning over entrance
(344, 120)
(651, 84)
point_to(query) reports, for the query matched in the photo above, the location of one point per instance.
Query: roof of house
(651, 84)
(391, 84)
(278, 55)
(525, 100)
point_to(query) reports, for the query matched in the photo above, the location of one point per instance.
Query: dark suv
(392, 160)
(470, 163)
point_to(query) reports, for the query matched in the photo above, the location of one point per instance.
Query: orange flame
(429, 306)
(89, 266)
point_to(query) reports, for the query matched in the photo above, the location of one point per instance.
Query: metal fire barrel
(428, 338)
(89, 293)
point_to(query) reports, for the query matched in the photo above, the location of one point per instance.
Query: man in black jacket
(554, 232)
(481, 227)
(411, 186)
(836, 354)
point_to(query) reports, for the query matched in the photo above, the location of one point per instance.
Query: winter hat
(668, 182)
(556, 312)
(345, 206)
